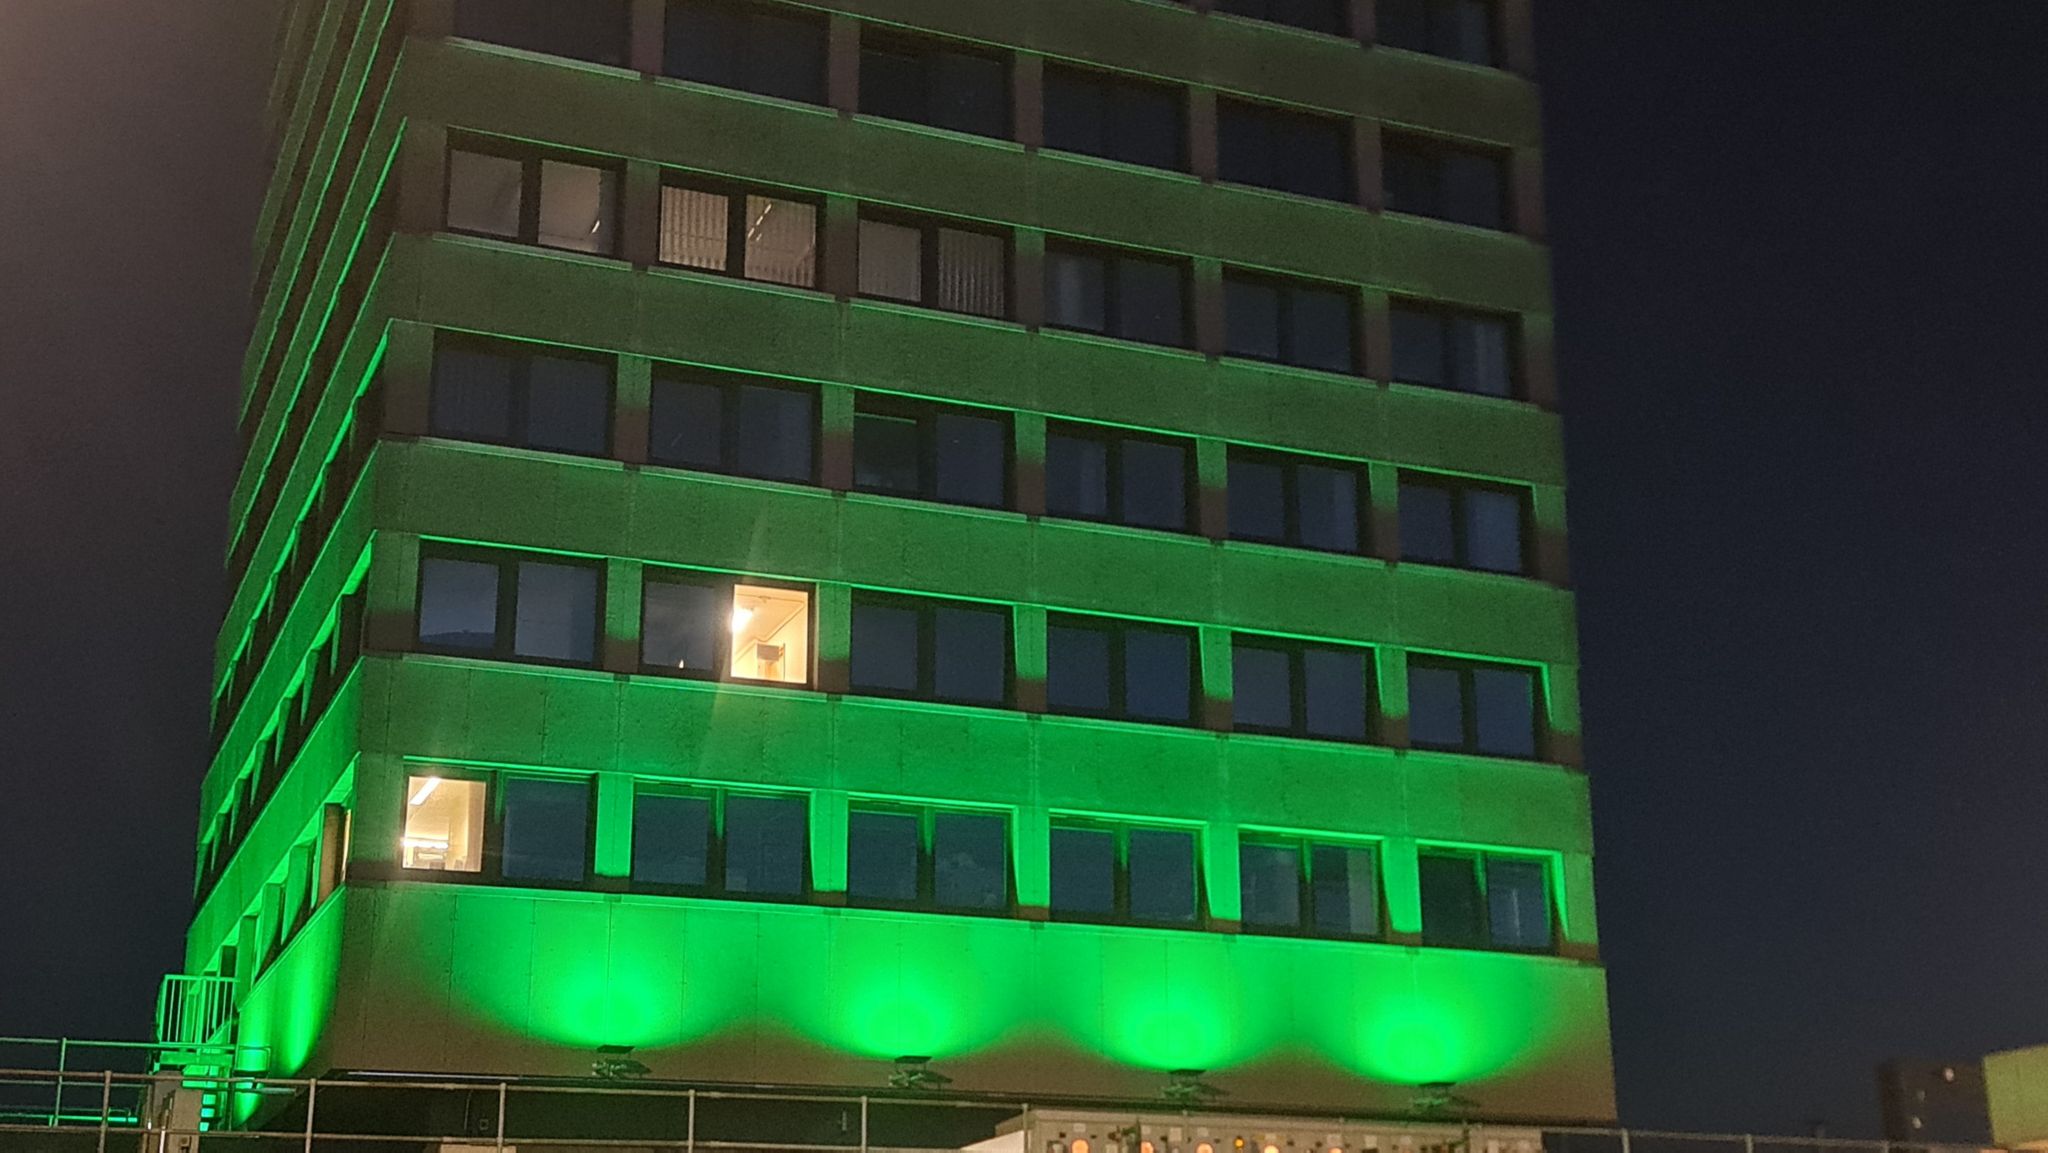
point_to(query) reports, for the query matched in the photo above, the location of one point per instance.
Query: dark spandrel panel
(686, 425)
(458, 604)
(970, 93)
(1076, 477)
(1258, 500)
(970, 655)
(671, 840)
(1162, 876)
(1452, 913)
(556, 613)
(886, 454)
(547, 830)
(1269, 877)
(1077, 670)
(1419, 347)
(1346, 885)
(881, 856)
(970, 459)
(1251, 319)
(1481, 352)
(765, 839)
(970, 861)
(1263, 688)
(1333, 690)
(593, 30)
(1159, 668)
(1151, 302)
(1505, 703)
(1323, 330)
(772, 433)
(1517, 904)
(1436, 707)
(1493, 531)
(1076, 291)
(1155, 484)
(1083, 872)
(569, 405)
(1329, 507)
(683, 626)
(472, 394)
(884, 648)
(1428, 524)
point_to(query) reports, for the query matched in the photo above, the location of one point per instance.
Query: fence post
(1624, 1141)
(106, 1104)
(57, 1106)
(499, 1128)
(863, 1123)
(312, 1097)
(690, 1125)
(1749, 1143)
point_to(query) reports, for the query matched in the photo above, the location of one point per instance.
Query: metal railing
(192, 1013)
(73, 1079)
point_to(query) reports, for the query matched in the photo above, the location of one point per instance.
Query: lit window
(760, 632)
(1444, 348)
(494, 190)
(935, 265)
(773, 239)
(771, 634)
(444, 825)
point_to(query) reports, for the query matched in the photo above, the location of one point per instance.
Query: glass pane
(1074, 291)
(886, 454)
(1410, 179)
(593, 30)
(782, 241)
(1329, 507)
(1146, 126)
(1076, 477)
(577, 206)
(1465, 31)
(569, 405)
(1481, 357)
(1436, 707)
(1245, 150)
(458, 604)
(974, 273)
(1159, 674)
(444, 825)
(686, 424)
(1150, 302)
(1493, 531)
(706, 43)
(1155, 478)
(556, 612)
(1333, 693)
(671, 839)
(1419, 347)
(970, 861)
(1162, 872)
(772, 433)
(970, 654)
(1322, 331)
(1262, 688)
(972, 457)
(970, 93)
(771, 634)
(765, 839)
(472, 394)
(787, 57)
(1428, 527)
(1518, 903)
(1475, 190)
(1345, 881)
(881, 856)
(547, 830)
(1316, 158)
(1269, 877)
(1083, 871)
(1505, 701)
(1258, 500)
(682, 626)
(1450, 901)
(1251, 319)
(694, 225)
(1077, 669)
(891, 260)
(484, 193)
(762, 52)
(1075, 115)
(885, 648)
(1404, 24)
(892, 84)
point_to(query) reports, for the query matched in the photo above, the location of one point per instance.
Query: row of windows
(546, 609)
(775, 237)
(556, 400)
(539, 830)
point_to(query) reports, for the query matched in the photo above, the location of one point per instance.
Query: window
(1117, 117)
(1463, 706)
(1447, 182)
(1316, 888)
(932, 858)
(532, 199)
(722, 842)
(773, 51)
(526, 395)
(1288, 322)
(546, 834)
(1331, 16)
(1116, 294)
(1094, 473)
(1457, 29)
(938, 83)
(1486, 901)
(1448, 521)
(935, 265)
(593, 30)
(1124, 873)
(757, 236)
(717, 629)
(444, 825)
(931, 452)
(740, 425)
(1297, 152)
(930, 649)
(1305, 502)
(1464, 351)
(475, 602)
(1306, 690)
(1096, 666)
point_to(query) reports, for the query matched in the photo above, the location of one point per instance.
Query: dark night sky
(1799, 259)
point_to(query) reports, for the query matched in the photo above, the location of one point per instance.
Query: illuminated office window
(756, 236)
(444, 825)
(704, 627)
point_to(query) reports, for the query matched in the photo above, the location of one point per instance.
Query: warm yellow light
(1080, 1145)
(740, 617)
(1270, 1148)
(426, 790)
(1205, 1147)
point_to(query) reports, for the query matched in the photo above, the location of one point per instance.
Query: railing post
(1624, 1141)
(499, 1128)
(863, 1123)
(63, 1056)
(690, 1125)
(1749, 1143)
(312, 1098)
(106, 1104)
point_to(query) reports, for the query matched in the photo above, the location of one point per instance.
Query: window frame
(1297, 687)
(735, 193)
(729, 385)
(927, 817)
(1117, 628)
(1304, 846)
(926, 609)
(1287, 288)
(927, 413)
(491, 854)
(1468, 705)
(1445, 315)
(531, 158)
(1460, 488)
(886, 40)
(1290, 465)
(1113, 260)
(522, 355)
(928, 229)
(724, 584)
(1480, 859)
(1108, 82)
(1113, 438)
(715, 861)
(1120, 832)
(504, 635)
(1435, 149)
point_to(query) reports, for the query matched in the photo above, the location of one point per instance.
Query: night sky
(1800, 254)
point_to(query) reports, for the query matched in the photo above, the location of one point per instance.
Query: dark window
(883, 857)
(771, 237)
(1297, 152)
(719, 628)
(593, 30)
(1112, 873)
(936, 83)
(1304, 689)
(672, 841)
(1463, 706)
(970, 861)
(936, 650)
(1310, 326)
(719, 842)
(504, 393)
(1471, 525)
(1331, 16)
(1116, 294)
(935, 265)
(955, 455)
(774, 51)
(1444, 181)
(1325, 890)
(1095, 473)
(500, 191)
(1466, 351)
(1118, 117)
(1084, 871)
(766, 845)
(734, 425)
(936, 859)
(500, 605)
(546, 830)
(1486, 901)
(1096, 666)
(1458, 29)
(1299, 501)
